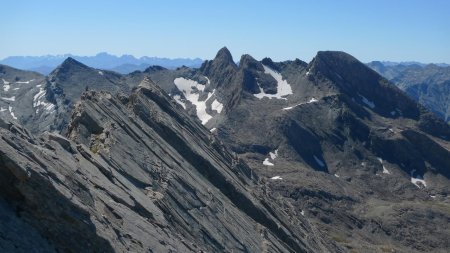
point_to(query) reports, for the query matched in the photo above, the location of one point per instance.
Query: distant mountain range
(408, 63)
(122, 64)
(428, 84)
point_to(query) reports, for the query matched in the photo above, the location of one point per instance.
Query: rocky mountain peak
(67, 68)
(223, 60)
(268, 62)
(224, 55)
(248, 62)
(326, 61)
(72, 63)
(356, 80)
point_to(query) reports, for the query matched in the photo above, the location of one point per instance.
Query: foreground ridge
(138, 175)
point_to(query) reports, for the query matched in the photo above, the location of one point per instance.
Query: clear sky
(396, 30)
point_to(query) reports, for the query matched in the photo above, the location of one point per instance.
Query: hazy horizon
(203, 59)
(93, 55)
(398, 31)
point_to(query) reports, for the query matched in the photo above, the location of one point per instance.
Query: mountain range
(428, 84)
(122, 64)
(259, 156)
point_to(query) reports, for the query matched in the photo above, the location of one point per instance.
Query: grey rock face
(45, 103)
(140, 175)
(359, 145)
(66, 83)
(353, 152)
(18, 236)
(17, 91)
(349, 151)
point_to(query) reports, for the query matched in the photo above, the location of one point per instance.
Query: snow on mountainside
(192, 92)
(283, 88)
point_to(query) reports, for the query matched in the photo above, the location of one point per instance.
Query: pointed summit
(69, 65)
(224, 55)
(72, 62)
(223, 60)
(220, 69)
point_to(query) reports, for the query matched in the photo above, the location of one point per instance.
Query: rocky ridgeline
(136, 174)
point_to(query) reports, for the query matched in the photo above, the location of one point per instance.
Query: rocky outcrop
(69, 80)
(139, 175)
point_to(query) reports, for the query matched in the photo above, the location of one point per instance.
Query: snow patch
(38, 96)
(39, 100)
(319, 162)
(2, 109)
(385, 171)
(100, 73)
(312, 100)
(11, 112)
(216, 106)
(6, 87)
(191, 90)
(213, 130)
(273, 155)
(418, 181)
(366, 101)
(13, 98)
(49, 106)
(178, 100)
(336, 175)
(25, 82)
(276, 178)
(267, 163)
(290, 107)
(283, 87)
(302, 212)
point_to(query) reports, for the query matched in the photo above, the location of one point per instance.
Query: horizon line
(67, 55)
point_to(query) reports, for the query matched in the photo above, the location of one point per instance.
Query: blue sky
(396, 30)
